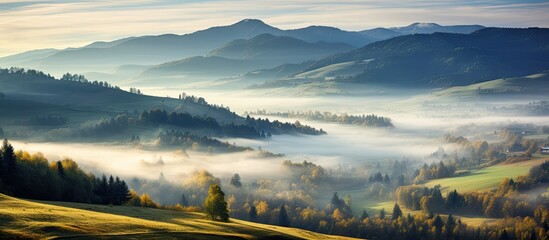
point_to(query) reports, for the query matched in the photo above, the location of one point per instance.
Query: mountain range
(415, 28)
(241, 56)
(438, 59)
(154, 50)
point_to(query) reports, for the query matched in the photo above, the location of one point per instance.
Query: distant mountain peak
(250, 21)
(424, 25)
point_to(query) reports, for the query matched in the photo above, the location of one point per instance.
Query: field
(478, 180)
(40, 219)
(485, 178)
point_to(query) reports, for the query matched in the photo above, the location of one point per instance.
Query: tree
(504, 235)
(438, 223)
(337, 202)
(60, 169)
(382, 213)
(120, 192)
(235, 180)
(386, 179)
(348, 200)
(396, 212)
(8, 163)
(183, 201)
(252, 213)
(401, 180)
(450, 222)
(364, 215)
(283, 219)
(146, 201)
(102, 189)
(215, 205)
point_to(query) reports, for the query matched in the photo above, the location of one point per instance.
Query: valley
(256, 131)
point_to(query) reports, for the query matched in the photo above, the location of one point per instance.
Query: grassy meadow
(485, 178)
(41, 219)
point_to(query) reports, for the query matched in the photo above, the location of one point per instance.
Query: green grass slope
(485, 178)
(536, 84)
(39, 219)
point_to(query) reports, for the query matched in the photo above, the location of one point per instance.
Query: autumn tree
(215, 205)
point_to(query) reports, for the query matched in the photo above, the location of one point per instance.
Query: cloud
(44, 24)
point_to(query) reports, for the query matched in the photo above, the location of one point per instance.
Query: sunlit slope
(485, 178)
(536, 84)
(34, 219)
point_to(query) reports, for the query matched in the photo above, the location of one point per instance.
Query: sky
(38, 24)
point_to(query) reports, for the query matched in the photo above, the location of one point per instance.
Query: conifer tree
(183, 201)
(8, 163)
(396, 212)
(252, 213)
(364, 215)
(382, 213)
(215, 204)
(283, 219)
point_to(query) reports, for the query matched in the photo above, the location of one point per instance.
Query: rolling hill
(445, 59)
(40, 219)
(285, 49)
(39, 92)
(424, 28)
(195, 68)
(241, 56)
(536, 85)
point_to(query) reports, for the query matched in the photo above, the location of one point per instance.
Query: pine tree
(364, 215)
(438, 223)
(60, 169)
(283, 219)
(504, 235)
(103, 189)
(110, 190)
(124, 193)
(215, 204)
(9, 163)
(252, 213)
(382, 213)
(396, 212)
(450, 223)
(183, 201)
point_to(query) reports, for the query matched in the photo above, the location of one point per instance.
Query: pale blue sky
(26, 25)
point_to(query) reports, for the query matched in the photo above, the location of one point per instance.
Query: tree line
(434, 171)
(277, 127)
(505, 201)
(370, 120)
(33, 176)
(82, 79)
(196, 143)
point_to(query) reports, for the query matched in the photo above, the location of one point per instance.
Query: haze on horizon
(29, 25)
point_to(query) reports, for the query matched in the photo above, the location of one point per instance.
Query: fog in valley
(423, 131)
(415, 137)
